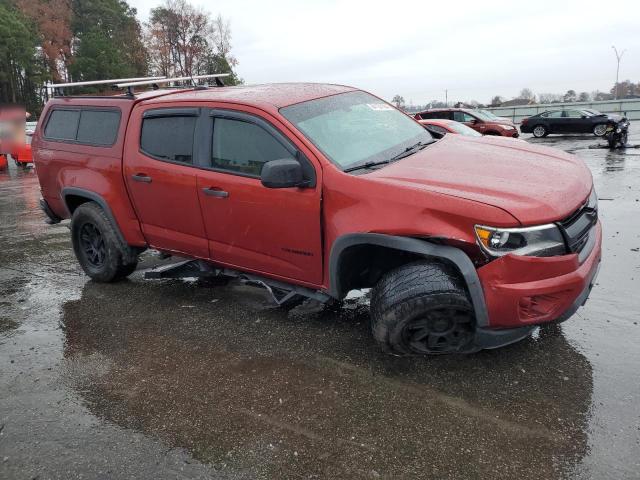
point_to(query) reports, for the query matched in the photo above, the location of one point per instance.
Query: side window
(84, 125)
(556, 114)
(62, 125)
(169, 138)
(98, 127)
(573, 114)
(243, 147)
(426, 116)
(463, 117)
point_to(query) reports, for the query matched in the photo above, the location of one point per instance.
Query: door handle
(215, 192)
(141, 177)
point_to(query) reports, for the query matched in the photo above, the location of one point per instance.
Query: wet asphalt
(185, 379)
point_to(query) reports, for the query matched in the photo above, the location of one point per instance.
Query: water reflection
(273, 394)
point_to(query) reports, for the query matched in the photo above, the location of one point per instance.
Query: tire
(97, 245)
(600, 129)
(422, 308)
(540, 131)
(623, 139)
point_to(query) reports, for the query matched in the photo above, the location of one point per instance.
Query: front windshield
(486, 114)
(355, 128)
(591, 113)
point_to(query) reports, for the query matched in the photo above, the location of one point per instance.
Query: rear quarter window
(62, 125)
(83, 125)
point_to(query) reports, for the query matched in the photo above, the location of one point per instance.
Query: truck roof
(265, 96)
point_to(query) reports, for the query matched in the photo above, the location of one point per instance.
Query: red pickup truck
(315, 190)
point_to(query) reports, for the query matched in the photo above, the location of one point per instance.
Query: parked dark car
(475, 119)
(567, 121)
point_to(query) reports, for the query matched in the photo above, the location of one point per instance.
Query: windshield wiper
(410, 150)
(405, 153)
(366, 165)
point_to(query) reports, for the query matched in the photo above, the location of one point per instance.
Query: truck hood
(534, 184)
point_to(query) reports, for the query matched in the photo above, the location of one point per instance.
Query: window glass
(169, 138)
(443, 114)
(573, 114)
(426, 116)
(98, 127)
(556, 114)
(355, 127)
(463, 117)
(243, 147)
(62, 125)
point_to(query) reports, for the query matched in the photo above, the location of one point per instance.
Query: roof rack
(130, 84)
(57, 87)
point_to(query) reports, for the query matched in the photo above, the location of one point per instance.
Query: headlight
(508, 127)
(540, 241)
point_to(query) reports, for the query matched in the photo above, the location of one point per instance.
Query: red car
(3, 162)
(442, 127)
(474, 119)
(315, 190)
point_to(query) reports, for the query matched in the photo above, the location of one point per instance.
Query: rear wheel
(422, 308)
(540, 131)
(600, 130)
(99, 250)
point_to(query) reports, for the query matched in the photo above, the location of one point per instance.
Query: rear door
(575, 122)
(249, 226)
(161, 178)
(554, 121)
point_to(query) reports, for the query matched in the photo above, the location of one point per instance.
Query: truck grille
(577, 226)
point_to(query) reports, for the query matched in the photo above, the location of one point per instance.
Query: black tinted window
(62, 125)
(169, 138)
(243, 147)
(98, 127)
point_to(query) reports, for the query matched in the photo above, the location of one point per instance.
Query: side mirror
(282, 173)
(584, 116)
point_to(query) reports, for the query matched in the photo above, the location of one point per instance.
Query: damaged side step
(282, 293)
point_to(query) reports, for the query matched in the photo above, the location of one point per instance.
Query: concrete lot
(173, 379)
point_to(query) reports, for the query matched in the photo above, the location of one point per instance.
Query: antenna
(169, 80)
(57, 87)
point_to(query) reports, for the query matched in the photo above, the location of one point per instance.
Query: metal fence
(629, 106)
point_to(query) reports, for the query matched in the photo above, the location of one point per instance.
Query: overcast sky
(475, 49)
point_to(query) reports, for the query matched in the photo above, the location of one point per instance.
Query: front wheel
(422, 308)
(100, 252)
(600, 130)
(540, 131)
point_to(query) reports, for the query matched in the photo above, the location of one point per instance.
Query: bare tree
(398, 101)
(496, 101)
(184, 40)
(527, 94)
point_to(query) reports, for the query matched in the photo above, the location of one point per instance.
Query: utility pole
(446, 98)
(618, 57)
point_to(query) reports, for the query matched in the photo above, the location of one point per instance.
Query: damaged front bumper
(522, 293)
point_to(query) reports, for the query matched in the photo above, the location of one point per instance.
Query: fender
(449, 254)
(81, 192)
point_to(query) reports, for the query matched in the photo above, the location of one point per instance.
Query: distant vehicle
(617, 133)
(474, 119)
(441, 127)
(567, 121)
(3, 161)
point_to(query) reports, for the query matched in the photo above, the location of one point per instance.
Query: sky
(419, 49)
